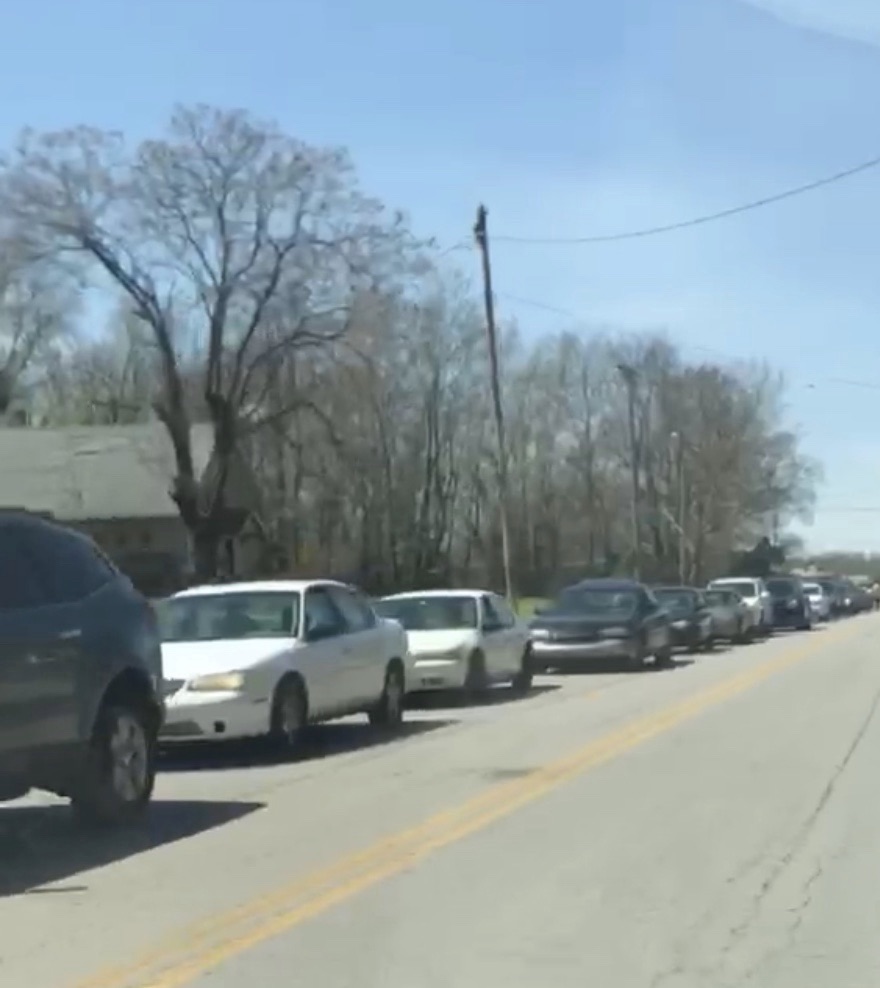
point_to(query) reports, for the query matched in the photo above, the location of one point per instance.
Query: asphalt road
(711, 825)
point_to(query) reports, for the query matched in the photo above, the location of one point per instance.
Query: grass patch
(526, 606)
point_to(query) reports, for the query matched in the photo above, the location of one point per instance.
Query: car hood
(435, 642)
(576, 623)
(184, 660)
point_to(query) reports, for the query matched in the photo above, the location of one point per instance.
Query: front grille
(181, 729)
(574, 635)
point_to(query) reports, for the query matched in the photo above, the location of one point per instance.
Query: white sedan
(462, 640)
(264, 659)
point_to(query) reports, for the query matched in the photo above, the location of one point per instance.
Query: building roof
(609, 583)
(94, 472)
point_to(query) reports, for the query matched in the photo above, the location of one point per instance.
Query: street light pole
(682, 541)
(630, 379)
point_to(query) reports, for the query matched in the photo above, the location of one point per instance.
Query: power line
(685, 344)
(653, 231)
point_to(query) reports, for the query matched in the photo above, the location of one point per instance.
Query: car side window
(321, 617)
(491, 618)
(358, 615)
(20, 585)
(69, 564)
(505, 614)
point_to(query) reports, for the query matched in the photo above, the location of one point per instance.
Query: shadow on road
(440, 699)
(43, 844)
(597, 667)
(317, 742)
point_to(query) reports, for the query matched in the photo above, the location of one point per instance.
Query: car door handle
(70, 635)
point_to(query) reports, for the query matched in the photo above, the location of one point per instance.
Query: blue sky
(567, 117)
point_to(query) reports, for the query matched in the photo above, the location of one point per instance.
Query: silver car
(820, 602)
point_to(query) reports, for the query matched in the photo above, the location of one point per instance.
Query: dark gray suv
(80, 673)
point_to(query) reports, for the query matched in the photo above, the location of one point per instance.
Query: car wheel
(663, 658)
(475, 680)
(289, 714)
(120, 769)
(388, 713)
(522, 681)
(638, 661)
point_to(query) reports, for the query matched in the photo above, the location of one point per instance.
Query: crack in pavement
(709, 972)
(799, 913)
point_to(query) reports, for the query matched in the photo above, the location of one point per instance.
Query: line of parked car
(94, 679)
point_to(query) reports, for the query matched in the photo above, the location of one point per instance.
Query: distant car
(833, 588)
(691, 620)
(263, 659)
(819, 601)
(80, 673)
(791, 607)
(461, 640)
(602, 620)
(756, 596)
(732, 618)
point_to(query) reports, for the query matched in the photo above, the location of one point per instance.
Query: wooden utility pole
(481, 235)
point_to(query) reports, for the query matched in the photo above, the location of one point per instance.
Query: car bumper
(429, 675)
(789, 619)
(688, 636)
(562, 653)
(213, 716)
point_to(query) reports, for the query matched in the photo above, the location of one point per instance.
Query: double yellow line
(207, 945)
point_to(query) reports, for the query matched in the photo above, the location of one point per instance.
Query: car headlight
(221, 682)
(614, 633)
(680, 625)
(539, 633)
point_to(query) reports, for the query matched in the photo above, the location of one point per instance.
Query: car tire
(120, 766)
(663, 659)
(522, 681)
(475, 681)
(289, 716)
(388, 712)
(639, 661)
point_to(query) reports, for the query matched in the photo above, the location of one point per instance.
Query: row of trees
(260, 290)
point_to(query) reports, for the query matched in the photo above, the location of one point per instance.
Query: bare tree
(235, 244)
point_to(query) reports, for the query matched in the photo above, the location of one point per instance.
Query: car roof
(438, 592)
(257, 586)
(736, 579)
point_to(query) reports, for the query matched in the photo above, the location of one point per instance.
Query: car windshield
(225, 616)
(596, 602)
(716, 598)
(431, 612)
(812, 588)
(676, 599)
(782, 588)
(744, 588)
